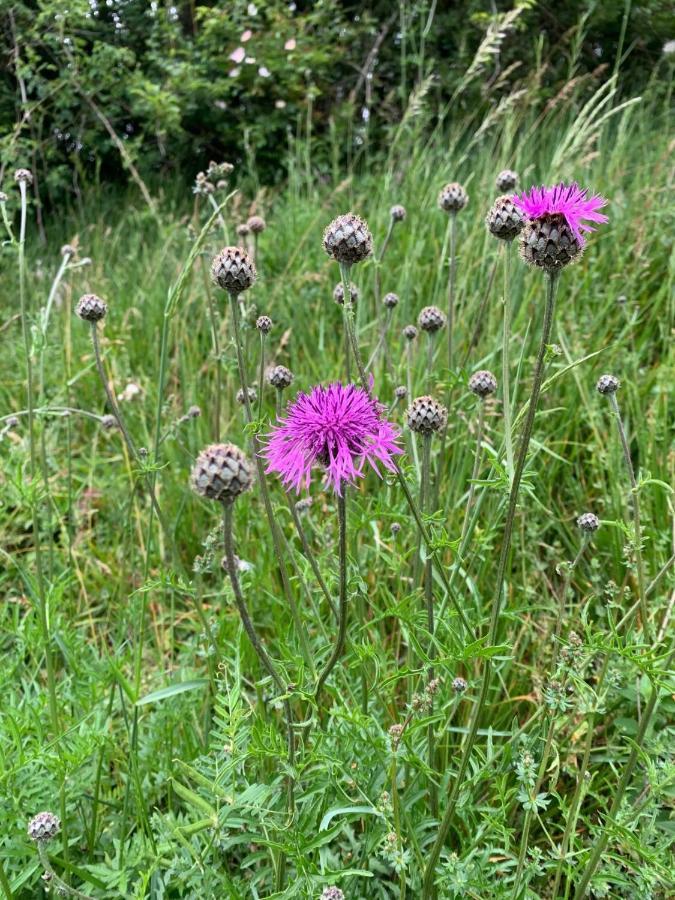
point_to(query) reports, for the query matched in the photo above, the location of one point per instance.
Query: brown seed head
(348, 240)
(453, 198)
(233, 270)
(426, 415)
(221, 472)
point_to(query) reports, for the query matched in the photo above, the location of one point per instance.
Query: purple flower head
(341, 427)
(568, 200)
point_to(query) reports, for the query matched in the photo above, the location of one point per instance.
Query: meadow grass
(163, 751)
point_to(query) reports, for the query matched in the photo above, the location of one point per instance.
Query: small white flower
(290, 44)
(280, 104)
(238, 55)
(669, 48)
(252, 9)
(264, 72)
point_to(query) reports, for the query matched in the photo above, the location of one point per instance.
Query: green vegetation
(134, 706)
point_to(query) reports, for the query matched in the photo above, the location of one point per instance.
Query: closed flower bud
(459, 685)
(23, 176)
(483, 383)
(608, 384)
(91, 308)
(397, 213)
(221, 472)
(280, 377)
(348, 240)
(431, 319)
(68, 250)
(257, 224)
(410, 332)
(505, 221)
(194, 412)
(401, 392)
(252, 396)
(43, 827)
(426, 415)
(395, 528)
(588, 522)
(233, 270)
(453, 198)
(390, 300)
(263, 324)
(243, 229)
(339, 293)
(507, 180)
(549, 243)
(332, 893)
(108, 422)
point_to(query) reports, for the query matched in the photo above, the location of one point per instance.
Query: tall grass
(167, 757)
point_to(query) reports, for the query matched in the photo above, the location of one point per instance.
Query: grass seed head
(91, 308)
(221, 472)
(233, 270)
(348, 240)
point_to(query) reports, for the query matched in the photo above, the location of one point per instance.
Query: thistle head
(401, 392)
(256, 224)
(263, 324)
(588, 522)
(397, 213)
(251, 393)
(410, 332)
(506, 180)
(453, 198)
(332, 893)
(91, 308)
(425, 415)
(459, 685)
(108, 422)
(233, 270)
(348, 240)
(243, 230)
(390, 300)
(505, 221)
(431, 319)
(608, 384)
(43, 827)
(482, 383)
(23, 176)
(221, 472)
(280, 377)
(339, 293)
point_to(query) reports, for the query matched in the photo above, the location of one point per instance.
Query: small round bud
(348, 240)
(459, 685)
(221, 472)
(506, 180)
(549, 243)
(91, 308)
(608, 384)
(410, 332)
(483, 383)
(257, 224)
(233, 270)
(252, 395)
(332, 893)
(263, 324)
(401, 392)
(304, 504)
(395, 528)
(426, 415)
(390, 300)
(194, 412)
(397, 213)
(395, 733)
(280, 377)
(339, 293)
(68, 250)
(505, 221)
(453, 198)
(243, 230)
(43, 827)
(588, 522)
(23, 176)
(108, 422)
(431, 319)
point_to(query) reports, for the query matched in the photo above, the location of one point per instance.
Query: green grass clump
(163, 750)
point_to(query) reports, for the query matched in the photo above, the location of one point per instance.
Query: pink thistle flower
(341, 427)
(568, 200)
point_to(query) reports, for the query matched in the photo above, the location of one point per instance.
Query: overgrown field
(134, 707)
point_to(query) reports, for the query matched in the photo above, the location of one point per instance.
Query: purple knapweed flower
(568, 200)
(341, 427)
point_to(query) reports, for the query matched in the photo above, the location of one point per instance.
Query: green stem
(506, 341)
(350, 329)
(425, 504)
(474, 476)
(451, 285)
(261, 375)
(342, 605)
(60, 885)
(309, 555)
(428, 886)
(219, 365)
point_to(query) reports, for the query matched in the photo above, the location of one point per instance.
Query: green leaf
(171, 690)
(342, 810)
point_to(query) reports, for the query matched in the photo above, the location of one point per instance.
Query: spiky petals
(568, 200)
(339, 426)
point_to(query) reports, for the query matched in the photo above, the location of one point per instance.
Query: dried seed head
(43, 827)
(588, 522)
(252, 395)
(390, 300)
(395, 528)
(453, 198)
(243, 229)
(433, 686)
(401, 392)
(410, 332)
(91, 308)
(608, 384)
(431, 319)
(459, 685)
(426, 415)
(257, 224)
(108, 422)
(23, 176)
(483, 383)
(549, 243)
(221, 472)
(332, 893)
(348, 240)
(339, 293)
(505, 221)
(280, 377)
(397, 213)
(233, 270)
(263, 324)
(507, 180)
